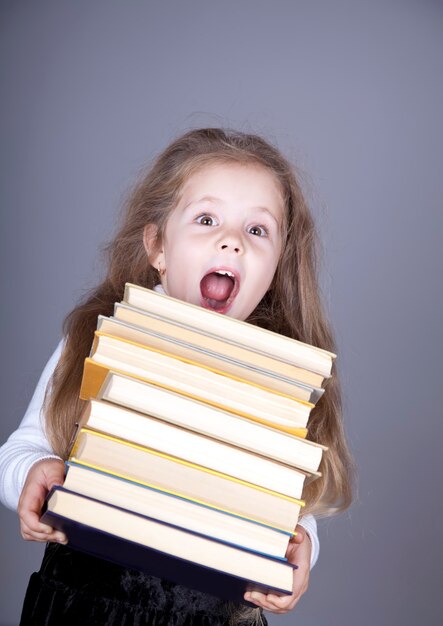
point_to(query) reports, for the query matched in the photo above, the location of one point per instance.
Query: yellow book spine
(99, 333)
(142, 483)
(94, 375)
(130, 444)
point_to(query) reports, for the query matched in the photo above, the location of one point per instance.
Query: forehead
(249, 185)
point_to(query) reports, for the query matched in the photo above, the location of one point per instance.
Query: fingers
(51, 535)
(274, 604)
(41, 478)
(299, 535)
(259, 599)
(54, 473)
(298, 552)
(287, 603)
(30, 526)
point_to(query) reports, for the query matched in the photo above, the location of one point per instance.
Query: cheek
(259, 285)
(269, 264)
(181, 268)
(174, 249)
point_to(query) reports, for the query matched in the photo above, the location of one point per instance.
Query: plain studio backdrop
(351, 91)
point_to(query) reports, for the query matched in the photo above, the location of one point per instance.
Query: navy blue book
(164, 550)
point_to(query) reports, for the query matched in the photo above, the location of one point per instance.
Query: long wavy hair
(291, 307)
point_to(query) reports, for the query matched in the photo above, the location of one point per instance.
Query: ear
(153, 245)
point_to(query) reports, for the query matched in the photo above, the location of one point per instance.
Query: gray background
(352, 92)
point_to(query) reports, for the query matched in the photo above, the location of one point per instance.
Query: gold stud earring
(161, 271)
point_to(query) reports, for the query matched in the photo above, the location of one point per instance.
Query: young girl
(214, 200)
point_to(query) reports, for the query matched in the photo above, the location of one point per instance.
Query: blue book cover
(169, 494)
(98, 542)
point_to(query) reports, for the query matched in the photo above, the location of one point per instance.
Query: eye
(258, 230)
(206, 220)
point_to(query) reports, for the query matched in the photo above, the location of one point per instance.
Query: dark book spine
(139, 557)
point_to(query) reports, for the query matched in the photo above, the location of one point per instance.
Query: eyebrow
(215, 200)
(204, 199)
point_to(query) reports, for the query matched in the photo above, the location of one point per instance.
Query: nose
(230, 242)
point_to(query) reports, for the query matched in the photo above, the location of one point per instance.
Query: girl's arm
(28, 444)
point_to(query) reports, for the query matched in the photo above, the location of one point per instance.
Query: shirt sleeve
(28, 444)
(310, 525)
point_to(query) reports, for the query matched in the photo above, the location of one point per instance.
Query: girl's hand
(42, 476)
(299, 553)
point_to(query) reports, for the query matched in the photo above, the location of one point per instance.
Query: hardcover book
(164, 550)
(149, 467)
(192, 454)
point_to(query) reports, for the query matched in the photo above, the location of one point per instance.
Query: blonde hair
(291, 307)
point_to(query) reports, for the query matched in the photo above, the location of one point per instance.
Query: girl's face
(222, 242)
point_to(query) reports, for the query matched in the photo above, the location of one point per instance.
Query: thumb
(299, 535)
(54, 474)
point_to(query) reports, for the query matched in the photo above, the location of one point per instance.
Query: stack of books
(190, 460)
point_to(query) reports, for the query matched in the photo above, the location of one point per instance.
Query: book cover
(184, 512)
(86, 534)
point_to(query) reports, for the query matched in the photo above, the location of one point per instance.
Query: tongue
(216, 287)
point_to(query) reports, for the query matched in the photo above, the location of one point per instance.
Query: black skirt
(76, 588)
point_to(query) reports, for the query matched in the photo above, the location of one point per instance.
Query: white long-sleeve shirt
(29, 444)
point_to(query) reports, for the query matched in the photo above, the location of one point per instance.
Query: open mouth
(218, 289)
